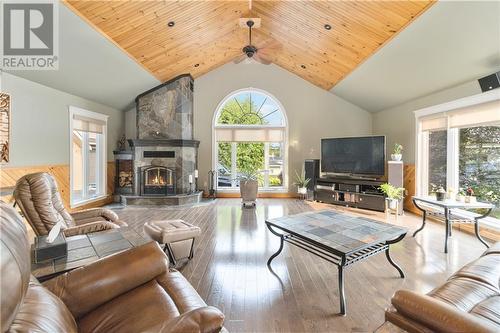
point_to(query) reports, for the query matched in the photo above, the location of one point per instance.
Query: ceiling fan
(251, 52)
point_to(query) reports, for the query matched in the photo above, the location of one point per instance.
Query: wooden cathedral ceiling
(207, 35)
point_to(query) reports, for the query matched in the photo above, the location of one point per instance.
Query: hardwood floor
(229, 268)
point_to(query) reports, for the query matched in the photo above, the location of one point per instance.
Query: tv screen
(360, 155)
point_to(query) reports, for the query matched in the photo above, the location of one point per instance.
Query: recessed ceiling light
(303, 66)
(171, 24)
(328, 27)
(196, 65)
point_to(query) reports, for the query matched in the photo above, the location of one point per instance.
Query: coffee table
(86, 249)
(339, 238)
(431, 207)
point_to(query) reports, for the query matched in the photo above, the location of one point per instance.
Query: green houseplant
(397, 152)
(249, 186)
(301, 182)
(394, 194)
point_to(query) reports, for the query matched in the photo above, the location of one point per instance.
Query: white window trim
(422, 153)
(73, 110)
(277, 189)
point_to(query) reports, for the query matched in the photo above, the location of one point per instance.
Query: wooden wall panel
(207, 34)
(409, 183)
(9, 176)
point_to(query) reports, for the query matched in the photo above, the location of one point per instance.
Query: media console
(358, 193)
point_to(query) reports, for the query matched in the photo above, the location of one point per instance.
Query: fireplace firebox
(158, 180)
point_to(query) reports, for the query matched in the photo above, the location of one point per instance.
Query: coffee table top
(339, 232)
(86, 249)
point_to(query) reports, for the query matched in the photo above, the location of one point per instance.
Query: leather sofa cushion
(495, 248)
(489, 310)
(146, 308)
(463, 293)
(143, 309)
(486, 269)
(42, 311)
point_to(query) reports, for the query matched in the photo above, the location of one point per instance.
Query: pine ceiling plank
(207, 33)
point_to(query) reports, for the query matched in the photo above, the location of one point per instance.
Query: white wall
(312, 112)
(398, 123)
(40, 122)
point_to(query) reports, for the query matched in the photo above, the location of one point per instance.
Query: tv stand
(350, 192)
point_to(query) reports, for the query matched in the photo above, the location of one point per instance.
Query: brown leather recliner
(133, 291)
(39, 200)
(468, 302)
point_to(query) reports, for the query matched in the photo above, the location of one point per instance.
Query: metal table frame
(450, 218)
(336, 257)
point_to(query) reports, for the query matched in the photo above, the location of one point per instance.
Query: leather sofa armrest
(89, 227)
(204, 320)
(437, 315)
(83, 216)
(85, 288)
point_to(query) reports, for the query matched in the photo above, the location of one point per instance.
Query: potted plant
(469, 195)
(461, 195)
(396, 152)
(249, 186)
(440, 194)
(393, 194)
(301, 182)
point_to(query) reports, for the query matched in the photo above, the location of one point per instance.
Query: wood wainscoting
(9, 176)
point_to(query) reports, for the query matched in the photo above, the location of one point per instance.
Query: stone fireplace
(164, 155)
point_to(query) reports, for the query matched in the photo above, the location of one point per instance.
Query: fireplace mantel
(163, 142)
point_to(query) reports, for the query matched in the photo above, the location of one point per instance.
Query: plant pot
(396, 157)
(440, 196)
(393, 203)
(460, 198)
(302, 190)
(470, 199)
(248, 190)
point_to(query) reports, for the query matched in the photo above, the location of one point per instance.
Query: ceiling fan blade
(259, 58)
(240, 58)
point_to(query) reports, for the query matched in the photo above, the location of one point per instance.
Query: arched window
(250, 137)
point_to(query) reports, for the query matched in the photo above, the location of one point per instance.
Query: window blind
(271, 134)
(86, 124)
(476, 115)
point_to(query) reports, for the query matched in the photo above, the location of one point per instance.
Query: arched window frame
(283, 127)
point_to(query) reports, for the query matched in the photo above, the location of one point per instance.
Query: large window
(459, 148)
(250, 137)
(88, 155)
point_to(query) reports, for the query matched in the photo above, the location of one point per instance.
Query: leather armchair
(133, 291)
(468, 302)
(40, 202)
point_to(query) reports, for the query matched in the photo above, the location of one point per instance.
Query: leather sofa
(469, 301)
(133, 291)
(40, 202)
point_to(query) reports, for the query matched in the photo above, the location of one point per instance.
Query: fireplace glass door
(158, 181)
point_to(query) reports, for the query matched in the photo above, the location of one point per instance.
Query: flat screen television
(354, 155)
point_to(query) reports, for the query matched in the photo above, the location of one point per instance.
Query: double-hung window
(458, 147)
(87, 155)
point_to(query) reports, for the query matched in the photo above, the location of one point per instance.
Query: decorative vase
(396, 157)
(460, 198)
(302, 190)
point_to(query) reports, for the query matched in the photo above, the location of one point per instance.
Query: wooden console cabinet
(358, 193)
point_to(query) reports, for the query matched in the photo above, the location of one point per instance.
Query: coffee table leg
(424, 215)
(476, 227)
(388, 256)
(341, 291)
(447, 221)
(277, 252)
